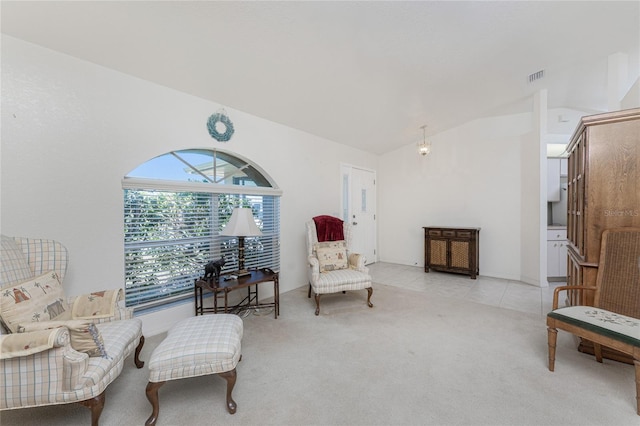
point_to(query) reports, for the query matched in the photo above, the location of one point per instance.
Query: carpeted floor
(413, 359)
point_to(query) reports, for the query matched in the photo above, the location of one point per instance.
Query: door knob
(354, 223)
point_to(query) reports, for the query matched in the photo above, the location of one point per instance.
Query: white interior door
(359, 199)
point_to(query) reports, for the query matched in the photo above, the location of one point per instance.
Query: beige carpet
(413, 359)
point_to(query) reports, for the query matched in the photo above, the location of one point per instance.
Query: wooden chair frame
(608, 296)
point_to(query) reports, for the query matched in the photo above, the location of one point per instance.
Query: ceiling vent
(536, 76)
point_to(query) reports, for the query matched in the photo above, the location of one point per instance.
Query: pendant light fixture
(424, 147)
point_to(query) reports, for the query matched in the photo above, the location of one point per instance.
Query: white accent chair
(52, 371)
(354, 277)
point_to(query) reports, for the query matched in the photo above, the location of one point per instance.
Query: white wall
(632, 98)
(71, 130)
(471, 178)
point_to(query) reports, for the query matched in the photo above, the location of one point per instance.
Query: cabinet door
(562, 259)
(553, 265)
(438, 252)
(564, 167)
(556, 258)
(459, 254)
(553, 179)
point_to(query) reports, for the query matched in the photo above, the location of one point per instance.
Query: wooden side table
(224, 286)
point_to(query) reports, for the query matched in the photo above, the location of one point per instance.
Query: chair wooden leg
(552, 337)
(370, 292)
(636, 362)
(317, 304)
(152, 396)
(230, 377)
(597, 351)
(136, 358)
(95, 405)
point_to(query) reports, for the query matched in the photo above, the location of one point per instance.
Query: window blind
(171, 235)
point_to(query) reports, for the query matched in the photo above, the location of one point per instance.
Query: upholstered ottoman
(196, 346)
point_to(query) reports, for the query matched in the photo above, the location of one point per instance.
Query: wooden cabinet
(603, 186)
(449, 249)
(603, 192)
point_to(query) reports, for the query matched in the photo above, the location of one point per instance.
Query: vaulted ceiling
(366, 74)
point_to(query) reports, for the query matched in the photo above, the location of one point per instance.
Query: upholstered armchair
(54, 349)
(332, 267)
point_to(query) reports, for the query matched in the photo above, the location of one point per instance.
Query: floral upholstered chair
(54, 349)
(332, 268)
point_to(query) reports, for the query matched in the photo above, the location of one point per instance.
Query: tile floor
(499, 292)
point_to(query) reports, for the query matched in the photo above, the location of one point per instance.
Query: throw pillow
(38, 299)
(354, 260)
(24, 344)
(332, 255)
(85, 336)
(99, 304)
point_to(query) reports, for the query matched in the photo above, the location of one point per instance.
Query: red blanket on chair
(329, 228)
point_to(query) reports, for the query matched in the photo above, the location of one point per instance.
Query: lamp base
(242, 273)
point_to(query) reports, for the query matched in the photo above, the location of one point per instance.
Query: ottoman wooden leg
(152, 396)
(230, 377)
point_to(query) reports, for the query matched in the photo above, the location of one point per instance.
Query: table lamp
(241, 225)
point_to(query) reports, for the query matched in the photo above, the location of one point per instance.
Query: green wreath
(220, 117)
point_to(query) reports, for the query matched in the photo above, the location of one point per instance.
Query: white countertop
(557, 227)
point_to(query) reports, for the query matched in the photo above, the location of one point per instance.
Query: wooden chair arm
(557, 291)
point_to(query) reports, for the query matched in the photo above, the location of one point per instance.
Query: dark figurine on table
(212, 269)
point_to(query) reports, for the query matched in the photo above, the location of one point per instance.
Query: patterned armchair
(57, 355)
(332, 268)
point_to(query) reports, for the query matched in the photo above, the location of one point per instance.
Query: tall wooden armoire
(603, 189)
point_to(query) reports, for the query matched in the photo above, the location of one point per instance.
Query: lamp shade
(241, 224)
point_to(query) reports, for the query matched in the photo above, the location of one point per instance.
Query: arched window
(175, 206)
